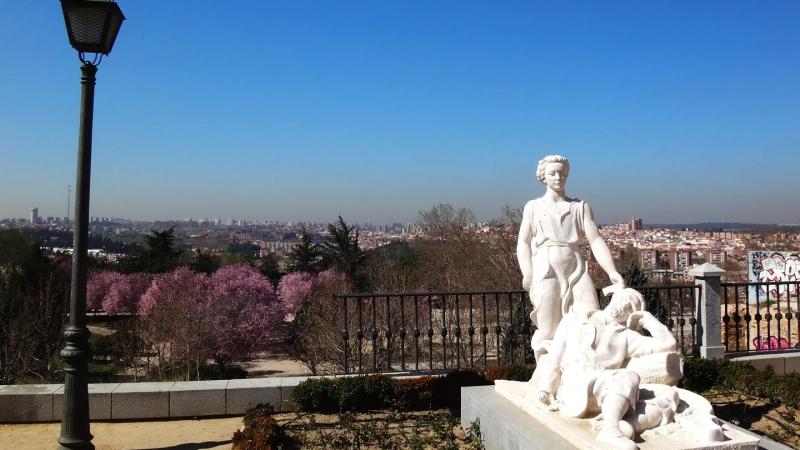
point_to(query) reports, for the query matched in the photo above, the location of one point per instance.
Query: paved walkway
(167, 434)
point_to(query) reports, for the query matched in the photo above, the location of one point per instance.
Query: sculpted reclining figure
(584, 368)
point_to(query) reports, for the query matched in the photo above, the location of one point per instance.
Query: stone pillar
(709, 322)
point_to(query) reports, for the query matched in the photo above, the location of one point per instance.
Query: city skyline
(635, 223)
(675, 112)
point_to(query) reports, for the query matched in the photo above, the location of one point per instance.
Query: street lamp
(92, 26)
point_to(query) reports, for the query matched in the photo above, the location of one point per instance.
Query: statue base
(510, 422)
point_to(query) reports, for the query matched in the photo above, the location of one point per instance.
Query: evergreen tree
(268, 267)
(204, 262)
(341, 250)
(305, 257)
(161, 253)
(635, 277)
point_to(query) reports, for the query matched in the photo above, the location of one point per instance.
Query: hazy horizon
(676, 112)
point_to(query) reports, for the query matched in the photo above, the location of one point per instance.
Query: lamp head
(92, 25)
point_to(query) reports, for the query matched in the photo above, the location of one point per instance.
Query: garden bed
(776, 421)
(437, 429)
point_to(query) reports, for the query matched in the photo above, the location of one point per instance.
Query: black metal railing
(392, 332)
(760, 316)
(676, 307)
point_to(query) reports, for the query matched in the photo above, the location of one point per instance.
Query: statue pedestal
(507, 425)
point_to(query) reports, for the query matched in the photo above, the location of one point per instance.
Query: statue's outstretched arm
(599, 248)
(524, 246)
(660, 339)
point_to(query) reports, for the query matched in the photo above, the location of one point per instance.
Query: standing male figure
(553, 270)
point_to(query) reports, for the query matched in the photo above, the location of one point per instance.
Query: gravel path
(168, 434)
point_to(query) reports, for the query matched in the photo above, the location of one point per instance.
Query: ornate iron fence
(760, 317)
(391, 332)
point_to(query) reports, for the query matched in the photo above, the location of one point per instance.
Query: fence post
(709, 323)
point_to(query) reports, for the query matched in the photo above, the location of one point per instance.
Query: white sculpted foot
(615, 438)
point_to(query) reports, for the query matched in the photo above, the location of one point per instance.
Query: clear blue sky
(672, 111)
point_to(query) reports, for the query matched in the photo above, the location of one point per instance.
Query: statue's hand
(617, 279)
(526, 282)
(641, 319)
(546, 399)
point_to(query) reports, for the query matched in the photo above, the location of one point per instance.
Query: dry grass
(775, 421)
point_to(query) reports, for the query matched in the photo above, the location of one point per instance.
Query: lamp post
(92, 26)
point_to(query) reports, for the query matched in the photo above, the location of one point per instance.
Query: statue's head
(623, 303)
(553, 171)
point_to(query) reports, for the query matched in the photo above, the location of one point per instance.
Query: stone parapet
(137, 401)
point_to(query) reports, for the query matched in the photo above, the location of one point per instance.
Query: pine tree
(305, 257)
(341, 250)
(161, 253)
(635, 277)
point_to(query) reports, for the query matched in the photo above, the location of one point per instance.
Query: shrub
(702, 375)
(413, 394)
(261, 409)
(261, 431)
(454, 381)
(513, 372)
(379, 391)
(316, 395)
(365, 393)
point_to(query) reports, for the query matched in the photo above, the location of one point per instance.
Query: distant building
(681, 259)
(717, 257)
(648, 258)
(34, 216)
(635, 224)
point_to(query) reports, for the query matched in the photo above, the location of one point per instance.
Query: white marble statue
(553, 270)
(604, 378)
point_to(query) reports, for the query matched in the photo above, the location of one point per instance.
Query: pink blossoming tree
(125, 292)
(175, 319)
(317, 340)
(98, 286)
(247, 312)
(190, 317)
(293, 288)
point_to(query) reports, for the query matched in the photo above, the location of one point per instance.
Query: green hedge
(372, 392)
(701, 375)
(513, 372)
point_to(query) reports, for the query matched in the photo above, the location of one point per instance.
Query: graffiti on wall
(773, 267)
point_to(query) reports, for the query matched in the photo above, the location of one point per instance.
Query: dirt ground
(777, 422)
(168, 434)
(774, 421)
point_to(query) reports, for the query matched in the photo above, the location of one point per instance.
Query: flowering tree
(191, 317)
(125, 292)
(176, 319)
(331, 282)
(98, 286)
(246, 312)
(293, 288)
(317, 340)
